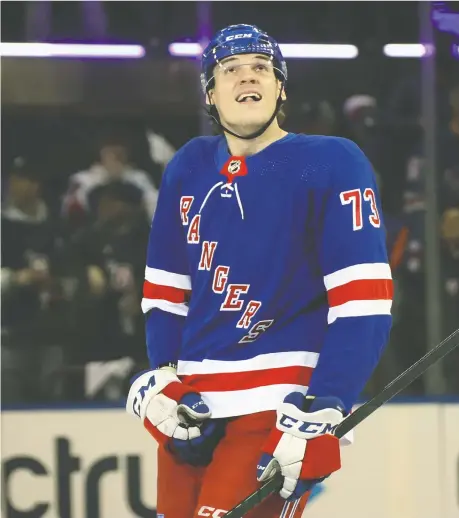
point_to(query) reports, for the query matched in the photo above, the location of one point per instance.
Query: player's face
(245, 92)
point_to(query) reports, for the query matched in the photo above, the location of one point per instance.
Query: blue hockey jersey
(268, 274)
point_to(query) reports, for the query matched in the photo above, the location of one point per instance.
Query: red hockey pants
(190, 492)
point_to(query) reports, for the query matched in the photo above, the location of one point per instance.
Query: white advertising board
(393, 469)
(102, 464)
(450, 460)
(77, 464)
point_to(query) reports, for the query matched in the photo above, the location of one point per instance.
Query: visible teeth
(253, 96)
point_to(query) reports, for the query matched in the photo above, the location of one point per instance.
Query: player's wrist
(314, 403)
(169, 366)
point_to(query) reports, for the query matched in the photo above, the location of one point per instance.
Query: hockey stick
(388, 392)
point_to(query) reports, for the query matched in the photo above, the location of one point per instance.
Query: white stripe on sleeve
(164, 278)
(171, 307)
(357, 272)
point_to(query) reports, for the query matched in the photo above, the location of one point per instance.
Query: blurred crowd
(73, 256)
(72, 275)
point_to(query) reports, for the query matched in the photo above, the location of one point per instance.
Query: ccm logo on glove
(302, 446)
(140, 396)
(168, 408)
(175, 415)
(305, 427)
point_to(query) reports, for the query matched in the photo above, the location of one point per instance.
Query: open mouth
(248, 97)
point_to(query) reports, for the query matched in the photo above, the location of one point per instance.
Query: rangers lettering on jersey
(260, 274)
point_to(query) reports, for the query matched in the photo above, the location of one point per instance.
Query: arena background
(97, 84)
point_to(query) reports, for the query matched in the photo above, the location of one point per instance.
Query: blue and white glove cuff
(146, 387)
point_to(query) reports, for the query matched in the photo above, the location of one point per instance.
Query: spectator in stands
(361, 114)
(109, 257)
(450, 156)
(28, 248)
(113, 166)
(414, 330)
(161, 151)
(311, 117)
(362, 123)
(450, 267)
(450, 237)
(396, 240)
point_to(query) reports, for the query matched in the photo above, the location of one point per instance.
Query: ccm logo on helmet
(211, 511)
(238, 36)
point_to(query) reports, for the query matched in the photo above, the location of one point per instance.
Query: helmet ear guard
(206, 85)
(241, 39)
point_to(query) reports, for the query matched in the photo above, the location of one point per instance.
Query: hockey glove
(174, 414)
(302, 446)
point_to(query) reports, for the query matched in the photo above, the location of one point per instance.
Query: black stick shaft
(388, 392)
(398, 384)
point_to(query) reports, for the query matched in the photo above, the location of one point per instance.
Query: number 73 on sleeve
(354, 198)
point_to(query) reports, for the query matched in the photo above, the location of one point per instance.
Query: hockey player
(267, 279)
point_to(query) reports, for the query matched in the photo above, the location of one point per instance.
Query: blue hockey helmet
(240, 39)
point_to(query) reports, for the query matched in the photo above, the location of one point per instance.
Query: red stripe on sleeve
(366, 289)
(156, 291)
